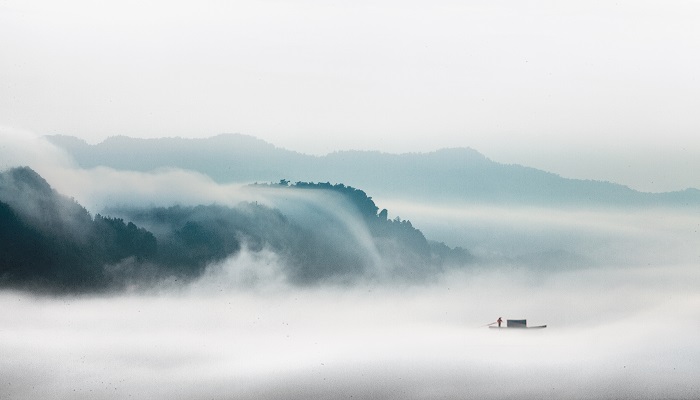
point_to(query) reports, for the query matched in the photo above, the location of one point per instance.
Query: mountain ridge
(450, 174)
(50, 242)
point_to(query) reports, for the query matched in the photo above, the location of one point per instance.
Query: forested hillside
(49, 241)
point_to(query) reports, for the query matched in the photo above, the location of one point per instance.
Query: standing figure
(499, 321)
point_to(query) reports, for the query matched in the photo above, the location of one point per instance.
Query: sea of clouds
(617, 289)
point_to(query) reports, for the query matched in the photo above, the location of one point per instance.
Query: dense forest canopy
(50, 241)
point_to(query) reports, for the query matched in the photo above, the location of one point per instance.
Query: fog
(598, 237)
(625, 326)
(617, 289)
(583, 88)
(610, 335)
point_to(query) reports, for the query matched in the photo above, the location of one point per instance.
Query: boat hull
(519, 327)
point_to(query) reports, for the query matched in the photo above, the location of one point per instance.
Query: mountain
(448, 175)
(225, 158)
(49, 241)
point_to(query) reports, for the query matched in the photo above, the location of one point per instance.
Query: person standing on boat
(499, 321)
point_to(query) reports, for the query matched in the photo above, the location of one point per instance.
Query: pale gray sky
(587, 89)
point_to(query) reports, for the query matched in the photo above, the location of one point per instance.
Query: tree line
(48, 241)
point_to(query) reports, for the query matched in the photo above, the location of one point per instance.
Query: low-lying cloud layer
(562, 237)
(611, 334)
(617, 289)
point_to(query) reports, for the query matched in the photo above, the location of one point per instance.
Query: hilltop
(49, 241)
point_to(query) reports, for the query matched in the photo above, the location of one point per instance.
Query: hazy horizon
(616, 287)
(589, 90)
(14, 143)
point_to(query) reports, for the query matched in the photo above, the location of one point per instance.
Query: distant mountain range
(449, 175)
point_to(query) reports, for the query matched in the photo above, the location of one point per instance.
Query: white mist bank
(613, 333)
(624, 325)
(616, 236)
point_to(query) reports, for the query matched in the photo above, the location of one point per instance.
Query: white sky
(588, 89)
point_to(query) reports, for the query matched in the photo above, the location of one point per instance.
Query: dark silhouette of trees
(117, 240)
(50, 241)
(30, 257)
(403, 244)
(364, 204)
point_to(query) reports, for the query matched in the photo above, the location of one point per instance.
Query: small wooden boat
(517, 324)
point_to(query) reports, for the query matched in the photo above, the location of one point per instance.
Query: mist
(610, 335)
(616, 287)
(623, 326)
(102, 187)
(592, 237)
(261, 292)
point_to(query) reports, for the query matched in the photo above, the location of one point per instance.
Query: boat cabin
(516, 323)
